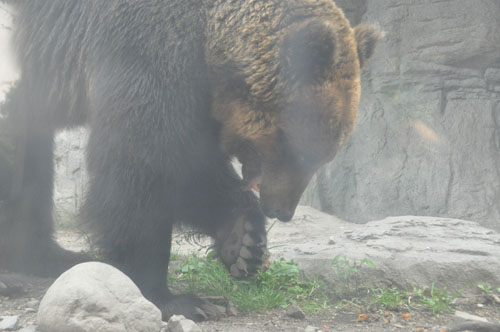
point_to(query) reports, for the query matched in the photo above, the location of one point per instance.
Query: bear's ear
(367, 38)
(308, 51)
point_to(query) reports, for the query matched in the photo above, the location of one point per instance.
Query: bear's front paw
(191, 307)
(243, 250)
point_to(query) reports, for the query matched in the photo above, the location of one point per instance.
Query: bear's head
(286, 125)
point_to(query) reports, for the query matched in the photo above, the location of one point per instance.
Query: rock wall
(427, 140)
(70, 174)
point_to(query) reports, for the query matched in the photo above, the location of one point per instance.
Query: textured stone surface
(409, 250)
(8, 323)
(310, 328)
(295, 312)
(70, 173)
(467, 316)
(8, 70)
(406, 250)
(178, 323)
(96, 297)
(30, 328)
(428, 140)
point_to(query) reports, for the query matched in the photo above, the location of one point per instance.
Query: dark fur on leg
(239, 231)
(26, 243)
(11, 284)
(191, 307)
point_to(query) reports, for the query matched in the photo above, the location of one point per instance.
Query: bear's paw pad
(244, 250)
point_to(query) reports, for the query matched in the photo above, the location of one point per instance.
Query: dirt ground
(25, 305)
(337, 320)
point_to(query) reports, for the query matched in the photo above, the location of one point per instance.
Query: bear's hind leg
(26, 229)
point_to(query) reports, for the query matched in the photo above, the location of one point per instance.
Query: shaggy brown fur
(171, 90)
(292, 101)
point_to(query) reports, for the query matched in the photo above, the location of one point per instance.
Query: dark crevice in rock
(324, 191)
(443, 101)
(470, 252)
(449, 190)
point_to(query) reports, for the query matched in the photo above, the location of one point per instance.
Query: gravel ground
(25, 305)
(337, 320)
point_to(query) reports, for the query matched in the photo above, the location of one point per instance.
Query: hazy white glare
(8, 71)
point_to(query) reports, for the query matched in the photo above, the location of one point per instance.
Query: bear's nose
(281, 214)
(284, 215)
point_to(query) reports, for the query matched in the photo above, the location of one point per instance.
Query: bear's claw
(244, 250)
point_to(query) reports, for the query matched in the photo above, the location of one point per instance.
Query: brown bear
(170, 91)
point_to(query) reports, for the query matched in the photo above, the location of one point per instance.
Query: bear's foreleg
(219, 206)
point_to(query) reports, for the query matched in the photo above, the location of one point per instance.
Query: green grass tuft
(279, 286)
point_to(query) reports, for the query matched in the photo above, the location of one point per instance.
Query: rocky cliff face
(70, 174)
(428, 140)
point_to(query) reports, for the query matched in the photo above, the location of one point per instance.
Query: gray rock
(427, 140)
(175, 318)
(70, 173)
(30, 328)
(221, 311)
(178, 323)
(405, 250)
(231, 310)
(33, 303)
(475, 326)
(164, 327)
(8, 323)
(295, 312)
(11, 284)
(310, 328)
(467, 316)
(96, 297)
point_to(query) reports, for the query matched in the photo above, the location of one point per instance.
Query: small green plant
(175, 254)
(390, 298)
(349, 275)
(279, 286)
(487, 289)
(438, 300)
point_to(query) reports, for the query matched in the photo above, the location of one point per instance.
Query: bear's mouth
(252, 176)
(253, 183)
